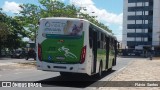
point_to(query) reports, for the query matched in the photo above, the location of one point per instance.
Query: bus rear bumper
(74, 68)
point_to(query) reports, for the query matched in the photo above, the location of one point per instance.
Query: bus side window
(90, 42)
(112, 45)
(98, 36)
(98, 40)
(98, 46)
(102, 41)
(90, 38)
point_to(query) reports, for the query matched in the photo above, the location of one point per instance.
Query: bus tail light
(39, 52)
(83, 54)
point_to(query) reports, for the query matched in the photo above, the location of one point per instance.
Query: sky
(109, 12)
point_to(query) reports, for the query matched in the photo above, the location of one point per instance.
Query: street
(10, 71)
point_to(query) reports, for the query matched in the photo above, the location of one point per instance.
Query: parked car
(18, 54)
(3, 53)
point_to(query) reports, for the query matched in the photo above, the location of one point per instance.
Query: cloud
(120, 28)
(82, 2)
(102, 14)
(119, 37)
(12, 7)
(119, 33)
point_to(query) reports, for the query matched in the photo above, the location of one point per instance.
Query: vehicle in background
(3, 53)
(31, 54)
(18, 54)
(131, 52)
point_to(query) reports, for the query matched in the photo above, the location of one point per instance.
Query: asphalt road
(30, 73)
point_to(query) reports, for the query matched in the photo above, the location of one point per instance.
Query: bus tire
(110, 69)
(100, 70)
(114, 62)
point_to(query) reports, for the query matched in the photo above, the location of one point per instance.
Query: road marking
(121, 69)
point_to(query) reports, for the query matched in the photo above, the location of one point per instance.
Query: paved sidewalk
(17, 65)
(139, 70)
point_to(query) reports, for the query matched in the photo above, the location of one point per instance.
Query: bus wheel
(110, 69)
(113, 62)
(100, 70)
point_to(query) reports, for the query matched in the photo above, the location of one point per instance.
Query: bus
(73, 45)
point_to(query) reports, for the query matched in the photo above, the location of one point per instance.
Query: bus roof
(92, 24)
(64, 18)
(102, 30)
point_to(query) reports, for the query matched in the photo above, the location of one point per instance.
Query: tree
(3, 26)
(31, 14)
(30, 18)
(11, 32)
(94, 21)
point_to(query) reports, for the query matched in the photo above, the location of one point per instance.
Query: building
(141, 24)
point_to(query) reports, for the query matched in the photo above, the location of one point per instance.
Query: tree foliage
(25, 23)
(11, 32)
(31, 14)
(94, 21)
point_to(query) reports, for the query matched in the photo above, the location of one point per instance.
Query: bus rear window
(61, 27)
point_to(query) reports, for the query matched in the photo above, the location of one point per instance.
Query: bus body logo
(47, 24)
(49, 58)
(67, 53)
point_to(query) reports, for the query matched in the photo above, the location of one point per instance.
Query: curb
(116, 73)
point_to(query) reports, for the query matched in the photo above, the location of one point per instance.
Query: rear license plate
(60, 58)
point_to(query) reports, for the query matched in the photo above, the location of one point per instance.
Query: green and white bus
(72, 45)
